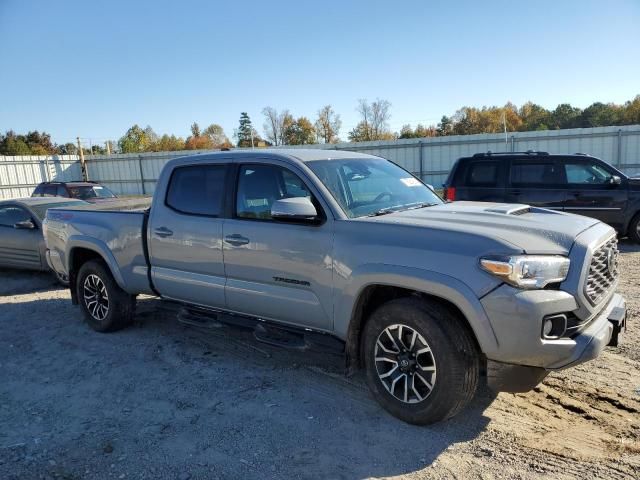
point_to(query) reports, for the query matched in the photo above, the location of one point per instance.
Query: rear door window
(197, 190)
(482, 174)
(62, 191)
(535, 173)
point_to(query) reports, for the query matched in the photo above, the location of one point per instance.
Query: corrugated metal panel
(619, 146)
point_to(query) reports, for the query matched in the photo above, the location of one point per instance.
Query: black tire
(452, 356)
(632, 231)
(118, 310)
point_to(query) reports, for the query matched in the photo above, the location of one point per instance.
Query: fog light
(554, 326)
(548, 326)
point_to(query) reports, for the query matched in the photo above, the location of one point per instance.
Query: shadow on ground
(160, 399)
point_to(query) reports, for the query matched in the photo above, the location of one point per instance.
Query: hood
(531, 229)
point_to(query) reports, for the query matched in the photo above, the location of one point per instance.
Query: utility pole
(83, 166)
(504, 122)
(108, 145)
(251, 130)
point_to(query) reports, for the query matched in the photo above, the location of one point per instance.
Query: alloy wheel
(405, 363)
(96, 297)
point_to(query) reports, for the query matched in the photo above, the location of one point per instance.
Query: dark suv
(576, 183)
(87, 191)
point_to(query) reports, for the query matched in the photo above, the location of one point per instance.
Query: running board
(263, 331)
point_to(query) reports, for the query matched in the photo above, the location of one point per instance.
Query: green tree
(406, 132)
(169, 143)
(600, 114)
(565, 116)
(534, 117)
(67, 149)
(445, 127)
(631, 113)
(135, 140)
(246, 132)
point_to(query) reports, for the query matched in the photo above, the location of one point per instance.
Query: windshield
(372, 186)
(85, 192)
(41, 210)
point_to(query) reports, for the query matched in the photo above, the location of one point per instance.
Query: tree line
(283, 128)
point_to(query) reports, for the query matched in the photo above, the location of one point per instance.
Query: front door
(277, 270)
(19, 247)
(591, 191)
(185, 236)
(536, 182)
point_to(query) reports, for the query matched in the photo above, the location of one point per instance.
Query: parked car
(576, 183)
(88, 191)
(349, 252)
(21, 241)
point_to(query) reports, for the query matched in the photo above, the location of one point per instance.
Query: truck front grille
(603, 271)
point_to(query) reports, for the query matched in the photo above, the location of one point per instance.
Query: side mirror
(297, 209)
(615, 180)
(25, 225)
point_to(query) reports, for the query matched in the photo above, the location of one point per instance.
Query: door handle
(236, 240)
(163, 232)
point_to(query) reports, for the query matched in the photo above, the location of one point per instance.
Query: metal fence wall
(20, 175)
(429, 158)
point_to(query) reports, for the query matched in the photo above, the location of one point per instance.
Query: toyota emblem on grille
(611, 261)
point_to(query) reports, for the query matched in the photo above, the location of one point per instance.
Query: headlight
(528, 271)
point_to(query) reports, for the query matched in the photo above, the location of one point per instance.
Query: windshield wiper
(382, 211)
(414, 206)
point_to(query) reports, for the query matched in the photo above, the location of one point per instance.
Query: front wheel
(105, 305)
(634, 229)
(421, 362)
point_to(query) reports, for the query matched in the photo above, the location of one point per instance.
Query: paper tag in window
(410, 182)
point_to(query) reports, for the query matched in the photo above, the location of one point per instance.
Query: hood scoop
(509, 209)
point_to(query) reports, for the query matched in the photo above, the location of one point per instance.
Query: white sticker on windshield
(410, 182)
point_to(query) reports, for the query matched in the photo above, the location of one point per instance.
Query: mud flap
(503, 377)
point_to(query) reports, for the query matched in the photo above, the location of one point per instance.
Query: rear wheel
(421, 362)
(105, 305)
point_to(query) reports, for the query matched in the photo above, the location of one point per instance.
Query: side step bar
(263, 331)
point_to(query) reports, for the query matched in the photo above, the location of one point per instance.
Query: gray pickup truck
(351, 253)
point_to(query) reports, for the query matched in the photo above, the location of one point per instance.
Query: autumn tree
(299, 132)
(327, 125)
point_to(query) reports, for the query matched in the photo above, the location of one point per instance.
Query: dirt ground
(162, 400)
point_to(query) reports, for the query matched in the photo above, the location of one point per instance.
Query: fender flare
(99, 247)
(428, 282)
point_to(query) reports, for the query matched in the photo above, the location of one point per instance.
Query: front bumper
(517, 315)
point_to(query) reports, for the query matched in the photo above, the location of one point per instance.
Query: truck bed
(114, 230)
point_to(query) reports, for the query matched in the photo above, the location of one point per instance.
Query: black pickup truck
(575, 183)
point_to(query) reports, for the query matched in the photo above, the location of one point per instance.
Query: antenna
(504, 122)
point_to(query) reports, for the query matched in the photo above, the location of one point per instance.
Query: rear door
(277, 270)
(537, 182)
(482, 181)
(185, 236)
(19, 247)
(590, 191)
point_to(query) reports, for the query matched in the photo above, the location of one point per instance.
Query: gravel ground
(162, 400)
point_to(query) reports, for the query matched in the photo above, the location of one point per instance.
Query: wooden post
(108, 144)
(83, 166)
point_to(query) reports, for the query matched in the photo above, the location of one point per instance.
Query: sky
(94, 68)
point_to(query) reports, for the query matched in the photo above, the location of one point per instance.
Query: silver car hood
(534, 230)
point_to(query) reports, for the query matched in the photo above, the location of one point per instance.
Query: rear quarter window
(197, 190)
